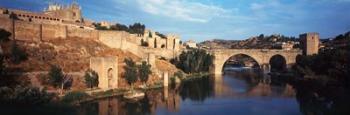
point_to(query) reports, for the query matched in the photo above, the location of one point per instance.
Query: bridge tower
(309, 43)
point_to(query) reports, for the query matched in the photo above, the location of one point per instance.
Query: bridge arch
(278, 62)
(240, 59)
(261, 56)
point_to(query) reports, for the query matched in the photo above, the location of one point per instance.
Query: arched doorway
(277, 63)
(110, 77)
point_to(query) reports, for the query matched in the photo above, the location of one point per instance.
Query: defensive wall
(43, 32)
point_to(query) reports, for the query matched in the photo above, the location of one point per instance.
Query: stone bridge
(261, 56)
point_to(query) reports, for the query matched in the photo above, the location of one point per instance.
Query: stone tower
(310, 43)
(76, 12)
(70, 13)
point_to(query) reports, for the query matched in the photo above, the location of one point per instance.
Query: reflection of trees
(316, 100)
(251, 76)
(197, 90)
(89, 109)
(142, 107)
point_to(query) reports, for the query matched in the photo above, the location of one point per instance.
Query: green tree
(193, 61)
(14, 16)
(2, 65)
(144, 71)
(137, 28)
(91, 78)
(56, 76)
(17, 55)
(130, 72)
(4, 35)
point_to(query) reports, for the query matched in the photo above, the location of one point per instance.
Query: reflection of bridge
(222, 89)
(261, 56)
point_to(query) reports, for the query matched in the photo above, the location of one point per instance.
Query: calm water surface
(238, 91)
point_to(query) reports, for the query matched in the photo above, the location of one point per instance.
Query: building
(71, 13)
(190, 44)
(287, 45)
(310, 43)
(53, 14)
(105, 24)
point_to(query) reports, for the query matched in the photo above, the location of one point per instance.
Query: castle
(64, 22)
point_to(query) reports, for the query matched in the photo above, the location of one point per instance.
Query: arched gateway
(107, 70)
(261, 56)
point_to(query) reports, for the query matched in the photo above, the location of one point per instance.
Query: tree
(58, 79)
(17, 54)
(130, 72)
(144, 71)
(193, 61)
(55, 76)
(137, 28)
(4, 35)
(2, 65)
(14, 16)
(91, 78)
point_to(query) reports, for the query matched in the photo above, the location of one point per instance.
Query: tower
(310, 43)
(76, 11)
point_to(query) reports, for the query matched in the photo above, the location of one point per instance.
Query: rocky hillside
(71, 54)
(257, 42)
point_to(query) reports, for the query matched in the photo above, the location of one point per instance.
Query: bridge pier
(266, 68)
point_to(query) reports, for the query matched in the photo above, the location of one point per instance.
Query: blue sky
(215, 19)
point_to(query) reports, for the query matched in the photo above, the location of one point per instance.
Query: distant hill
(256, 42)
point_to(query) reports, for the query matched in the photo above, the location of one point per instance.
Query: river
(240, 91)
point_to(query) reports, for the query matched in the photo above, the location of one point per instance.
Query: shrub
(144, 71)
(130, 71)
(17, 54)
(75, 96)
(2, 64)
(4, 35)
(91, 78)
(179, 74)
(55, 76)
(24, 96)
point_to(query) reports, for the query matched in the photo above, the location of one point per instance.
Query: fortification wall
(166, 53)
(50, 32)
(81, 33)
(5, 23)
(120, 40)
(27, 31)
(113, 39)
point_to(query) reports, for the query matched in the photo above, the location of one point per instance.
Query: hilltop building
(190, 44)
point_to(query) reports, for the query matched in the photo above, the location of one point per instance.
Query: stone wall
(6, 23)
(107, 69)
(27, 31)
(50, 32)
(81, 33)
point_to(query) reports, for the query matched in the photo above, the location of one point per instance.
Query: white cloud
(256, 6)
(182, 9)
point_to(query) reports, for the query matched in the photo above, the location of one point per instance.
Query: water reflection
(244, 91)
